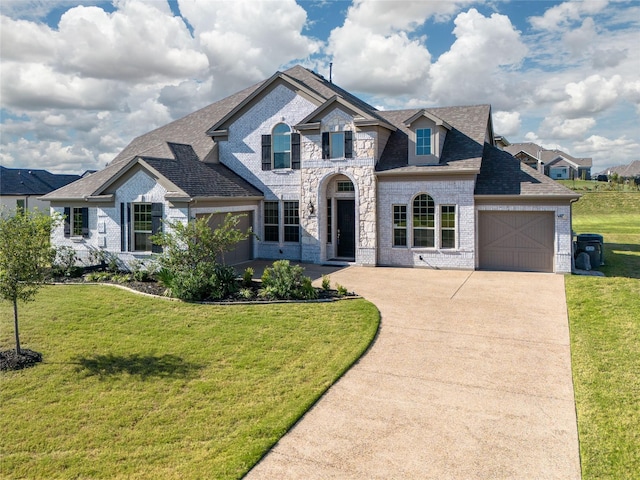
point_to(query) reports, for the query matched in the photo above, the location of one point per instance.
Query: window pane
(142, 227)
(423, 141)
(346, 186)
(423, 238)
(400, 237)
(448, 239)
(142, 242)
(423, 221)
(337, 145)
(271, 222)
(77, 222)
(448, 226)
(281, 139)
(270, 233)
(399, 225)
(291, 222)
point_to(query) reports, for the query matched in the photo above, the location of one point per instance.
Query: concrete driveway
(469, 377)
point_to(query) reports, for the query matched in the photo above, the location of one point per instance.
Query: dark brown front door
(346, 228)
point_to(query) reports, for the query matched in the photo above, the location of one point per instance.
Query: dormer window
(423, 141)
(337, 144)
(281, 146)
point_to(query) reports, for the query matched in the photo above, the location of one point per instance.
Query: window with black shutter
(337, 144)
(76, 222)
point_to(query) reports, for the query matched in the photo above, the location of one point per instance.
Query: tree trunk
(15, 326)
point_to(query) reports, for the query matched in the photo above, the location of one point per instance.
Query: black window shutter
(295, 151)
(123, 229)
(348, 144)
(266, 152)
(156, 224)
(326, 152)
(85, 221)
(129, 240)
(67, 221)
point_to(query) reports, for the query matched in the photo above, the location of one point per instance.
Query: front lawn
(604, 317)
(136, 387)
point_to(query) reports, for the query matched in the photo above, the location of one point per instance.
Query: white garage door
(244, 250)
(520, 241)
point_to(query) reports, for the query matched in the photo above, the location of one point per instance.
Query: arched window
(281, 146)
(424, 221)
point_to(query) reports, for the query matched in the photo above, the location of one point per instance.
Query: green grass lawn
(604, 316)
(136, 387)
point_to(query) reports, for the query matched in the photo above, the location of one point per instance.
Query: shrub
(326, 282)
(223, 282)
(247, 277)
(64, 263)
(342, 291)
(245, 293)
(286, 282)
(141, 271)
(192, 285)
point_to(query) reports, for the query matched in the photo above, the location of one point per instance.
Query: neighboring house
(557, 164)
(631, 170)
(323, 177)
(20, 188)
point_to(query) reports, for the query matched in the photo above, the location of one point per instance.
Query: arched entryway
(340, 230)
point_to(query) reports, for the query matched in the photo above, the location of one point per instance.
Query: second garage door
(520, 241)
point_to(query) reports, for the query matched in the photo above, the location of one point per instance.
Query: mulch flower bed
(10, 360)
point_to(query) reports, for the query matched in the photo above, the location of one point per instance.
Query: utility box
(593, 245)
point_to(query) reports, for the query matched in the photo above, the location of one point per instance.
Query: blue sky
(80, 79)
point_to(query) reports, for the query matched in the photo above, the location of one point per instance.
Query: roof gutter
(403, 172)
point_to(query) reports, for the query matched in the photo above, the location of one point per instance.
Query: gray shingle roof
(502, 174)
(199, 179)
(25, 181)
(547, 156)
(463, 145)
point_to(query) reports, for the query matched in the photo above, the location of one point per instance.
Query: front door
(346, 234)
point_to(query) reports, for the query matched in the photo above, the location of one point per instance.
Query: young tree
(187, 245)
(25, 256)
(190, 254)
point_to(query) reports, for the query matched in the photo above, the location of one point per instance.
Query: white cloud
(387, 17)
(571, 128)
(389, 65)
(472, 68)
(244, 39)
(589, 96)
(606, 152)
(561, 15)
(54, 156)
(506, 123)
(581, 39)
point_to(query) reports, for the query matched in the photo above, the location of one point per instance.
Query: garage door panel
(244, 250)
(520, 241)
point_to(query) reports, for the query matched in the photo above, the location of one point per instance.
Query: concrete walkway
(469, 378)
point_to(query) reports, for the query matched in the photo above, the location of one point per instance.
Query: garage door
(244, 250)
(520, 241)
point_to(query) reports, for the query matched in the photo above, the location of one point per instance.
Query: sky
(80, 79)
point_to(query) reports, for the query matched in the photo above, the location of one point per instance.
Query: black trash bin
(593, 245)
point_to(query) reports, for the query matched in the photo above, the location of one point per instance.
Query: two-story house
(322, 177)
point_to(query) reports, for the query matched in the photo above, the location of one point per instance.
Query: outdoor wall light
(311, 208)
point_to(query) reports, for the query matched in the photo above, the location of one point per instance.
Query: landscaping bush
(284, 281)
(64, 263)
(193, 285)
